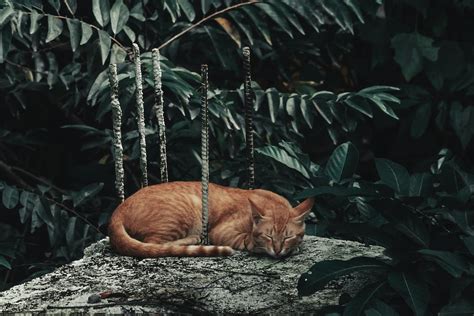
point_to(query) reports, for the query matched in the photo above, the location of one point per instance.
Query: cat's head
(278, 231)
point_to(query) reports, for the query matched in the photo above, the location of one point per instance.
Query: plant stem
(186, 30)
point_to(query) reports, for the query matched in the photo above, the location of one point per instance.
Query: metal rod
(117, 126)
(204, 155)
(159, 111)
(248, 104)
(140, 113)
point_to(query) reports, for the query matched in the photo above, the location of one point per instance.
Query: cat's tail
(124, 244)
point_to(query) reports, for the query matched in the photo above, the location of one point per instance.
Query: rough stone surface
(240, 284)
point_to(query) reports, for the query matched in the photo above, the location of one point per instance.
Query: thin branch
(39, 179)
(8, 173)
(73, 211)
(186, 30)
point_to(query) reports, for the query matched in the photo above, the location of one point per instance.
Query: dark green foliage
(366, 105)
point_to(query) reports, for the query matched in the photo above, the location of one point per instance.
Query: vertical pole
(204, 154)
(159, 111)
(140, 113)
(248, 104)
(117, 125)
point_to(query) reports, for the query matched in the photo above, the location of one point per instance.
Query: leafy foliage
(337, 84)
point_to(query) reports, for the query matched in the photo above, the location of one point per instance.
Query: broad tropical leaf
(393, 175)
(323, 272)
(343, 162)
(415, 293)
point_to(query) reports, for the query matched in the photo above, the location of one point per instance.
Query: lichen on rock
(240, 284)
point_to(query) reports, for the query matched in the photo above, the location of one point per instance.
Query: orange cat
(165, 220)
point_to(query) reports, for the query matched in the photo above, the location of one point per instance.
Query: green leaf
(86, 193)
(5, 15)
(323, 111)
(74, 27)
(55, 4)
(34, 19)
(130, 34)
(188, 9)
(461, 120)
(324, 271)
(360, 105)
(55, 28)
(469, 243)
(410, 48)
(283, 157)
(217, 48)
(393, 175)
(104, 43)
(307, 114)
(336, 191)
(36, 221)
(379, 89)
(86, 33)
(10, 197)
(273, 100)
(408, 224)
(71, 6)
(28, 199)
(421, 120)
(359, 303)
(96, 86)
(261, 27)
(421, 184)
(453, 264)
(381, 105)
(119, 15)
(379, 308)
(205, 5)
(276, 16)
(4, 263)
(118, 55)
(101, 9)
(5, 41)
(415, 293)
(343, 162)
(462, 307)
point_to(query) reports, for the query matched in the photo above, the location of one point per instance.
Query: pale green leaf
(55, 28)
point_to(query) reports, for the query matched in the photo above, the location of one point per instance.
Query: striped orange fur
(165, 220)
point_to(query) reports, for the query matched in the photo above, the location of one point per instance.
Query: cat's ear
(257, 213)
(301, 210)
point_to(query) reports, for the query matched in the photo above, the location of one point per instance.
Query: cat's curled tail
(124, 244)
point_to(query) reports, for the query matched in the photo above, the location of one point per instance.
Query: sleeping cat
(165, 220)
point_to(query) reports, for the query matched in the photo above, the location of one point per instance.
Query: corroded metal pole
(204, 154)
(117, 125)
(248, 99)
(159, 111)
(140, 113)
